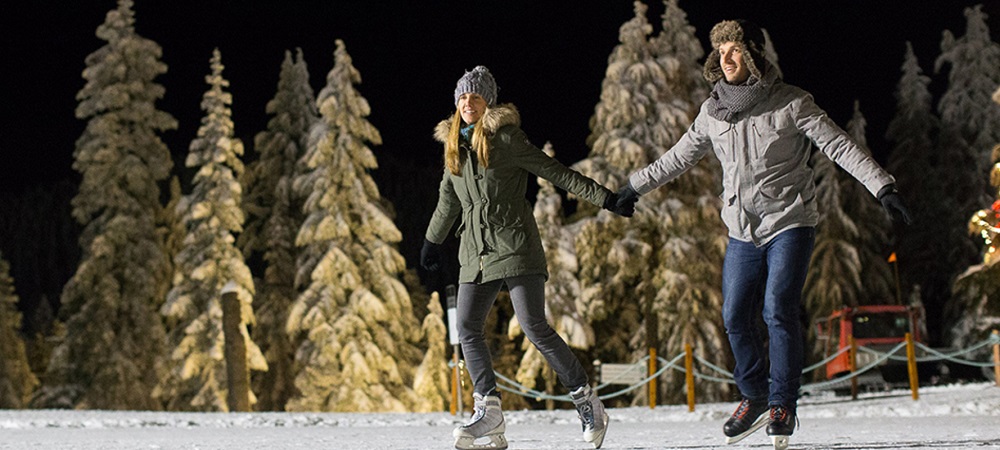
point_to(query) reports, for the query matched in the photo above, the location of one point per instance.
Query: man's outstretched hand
(892, 203)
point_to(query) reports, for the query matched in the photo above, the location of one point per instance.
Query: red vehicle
(878, 327)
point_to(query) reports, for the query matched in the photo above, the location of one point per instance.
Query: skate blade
(490, 441)
(761, 421)
(780, 442)
(598, 439)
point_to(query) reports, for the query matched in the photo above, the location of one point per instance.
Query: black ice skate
(592, 415)
(749, 417)
(487, 422)
(781, 425)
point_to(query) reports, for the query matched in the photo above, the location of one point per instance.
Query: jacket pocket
(505, 216)
(510, 241)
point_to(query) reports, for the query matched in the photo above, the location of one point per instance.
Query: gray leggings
(527, 295)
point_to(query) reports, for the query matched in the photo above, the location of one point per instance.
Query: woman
(488, 160)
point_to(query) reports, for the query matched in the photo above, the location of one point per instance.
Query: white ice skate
(486, 426)
(592, 415)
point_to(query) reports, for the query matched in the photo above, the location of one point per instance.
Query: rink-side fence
(648, 369)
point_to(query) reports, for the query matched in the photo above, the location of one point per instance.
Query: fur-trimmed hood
(495, 118)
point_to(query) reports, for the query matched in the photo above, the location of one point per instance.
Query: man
(762, 131)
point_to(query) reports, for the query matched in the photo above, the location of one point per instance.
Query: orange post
(911, 366)
(852, 363)
(689, 375)
(996, 359)
(652, 382)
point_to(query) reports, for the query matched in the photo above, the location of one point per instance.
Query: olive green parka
(499, 237)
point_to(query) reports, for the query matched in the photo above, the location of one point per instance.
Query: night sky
(548, 57)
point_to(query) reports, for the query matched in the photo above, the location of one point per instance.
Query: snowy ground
(950, 417)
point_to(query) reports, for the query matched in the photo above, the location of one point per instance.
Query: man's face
(731, 61)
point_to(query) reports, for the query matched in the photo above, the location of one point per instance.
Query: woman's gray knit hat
(746, 34)
(478, 81)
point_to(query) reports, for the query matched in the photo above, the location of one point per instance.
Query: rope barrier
(514, 387)
(838, 380)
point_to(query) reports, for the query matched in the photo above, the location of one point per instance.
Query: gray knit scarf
(728, 100)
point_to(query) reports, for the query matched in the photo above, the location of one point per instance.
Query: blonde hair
(480, 143)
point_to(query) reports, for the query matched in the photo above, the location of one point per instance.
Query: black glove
(430, 256)
(611, 204)
(627, 196)
(892, 203)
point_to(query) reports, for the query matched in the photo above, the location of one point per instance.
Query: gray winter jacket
(768, 185)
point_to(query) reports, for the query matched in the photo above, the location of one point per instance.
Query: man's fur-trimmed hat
(744, 33)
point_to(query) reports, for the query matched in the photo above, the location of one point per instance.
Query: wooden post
(852, 363)
(652, 382)
(911, 365)
(689, 375)
(237, 372)
(996, 359)
(454, 383)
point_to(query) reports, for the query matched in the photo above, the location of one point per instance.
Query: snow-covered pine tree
(111, 357)
(17, 382)
(562, 291)
(834, 277)
(965, 107)
(663, 267)
(970, 126)
(873, 225)
(274, 216)
(916, 165)
(688, 302)
(620, 128)
(677, 50)
(432, 382)
(629, 95)
(978, 288)
(358, 350)
(208, 262)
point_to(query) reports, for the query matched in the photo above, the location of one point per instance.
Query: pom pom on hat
(478, 81)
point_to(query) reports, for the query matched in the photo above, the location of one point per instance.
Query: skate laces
(743, 409)
(780, 414)
(478, 412)
(585, 407)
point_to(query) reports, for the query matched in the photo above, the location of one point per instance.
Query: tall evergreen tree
(666, 261)
(109, 359)
(16, 380)
(977, 289)
(834, 277)
(873, 225)
(965, 107)
(970, 126)
(274, 217)
(355, 317)
(917, 166)
(208, 262)
(432, 382)
(616, 295)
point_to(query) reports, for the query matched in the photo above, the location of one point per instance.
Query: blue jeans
(778, 271)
